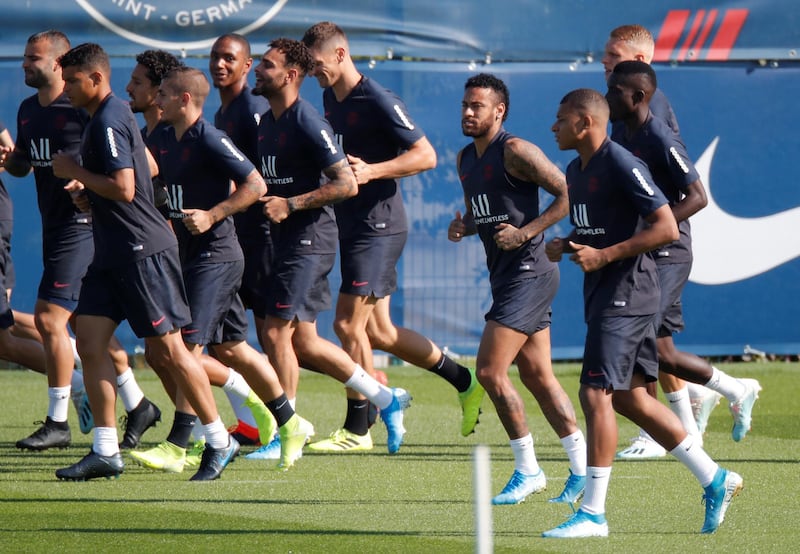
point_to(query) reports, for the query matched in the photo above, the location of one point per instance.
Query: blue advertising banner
(729, 70)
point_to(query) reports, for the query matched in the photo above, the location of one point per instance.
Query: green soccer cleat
(264, 420)
(343, 440)
(294, 435)
(470, 401)
(166, 457)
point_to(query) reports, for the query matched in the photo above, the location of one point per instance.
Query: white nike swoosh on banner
(728, 248)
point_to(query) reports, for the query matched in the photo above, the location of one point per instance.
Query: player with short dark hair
(198, 162)
(501, 176)
(135, 273)
(238, 115)
(295, 146)
(620, 216)
(383, 144)
(47, 123)
(693, 403)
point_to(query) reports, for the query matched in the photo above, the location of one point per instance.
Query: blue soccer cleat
(573, 489)
(392, 417)
(519, 487)
(580, 525)
(718, 496)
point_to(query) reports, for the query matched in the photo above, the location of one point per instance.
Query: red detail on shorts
(158, 321)
(58, 285)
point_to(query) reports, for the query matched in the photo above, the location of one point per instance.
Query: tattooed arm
(340, 185)
(526, 161)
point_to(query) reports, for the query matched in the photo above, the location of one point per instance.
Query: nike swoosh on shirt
(728, 248)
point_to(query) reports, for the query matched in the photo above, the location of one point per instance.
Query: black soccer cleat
(93, 466)
(214, 460)
(139, 420)
(51, 434)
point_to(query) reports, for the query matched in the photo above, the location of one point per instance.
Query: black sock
(357, 420)
(182, 427)
(455, 374)
(281, 409)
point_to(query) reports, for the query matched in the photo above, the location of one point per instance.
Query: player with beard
(501, 175)
(295, 146)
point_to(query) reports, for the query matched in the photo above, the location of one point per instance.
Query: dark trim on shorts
(368, 264)
(616, 348)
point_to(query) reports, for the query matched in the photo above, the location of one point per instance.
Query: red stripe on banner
(670, 33)
(698, 20)
(729, 29)
(701, 40)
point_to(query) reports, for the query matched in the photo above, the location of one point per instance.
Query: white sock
(594, 496)
(680, 404)
(128, 390)
(575, 447)
(105, 441)
(378, 394)
(237, 390)
(216, 434)
(729, 387)
(58, 407)
(78, 362)
(293, 403)
(76, 382)
(524, 455)
(198, 431)
(697, 391)
(695, 458)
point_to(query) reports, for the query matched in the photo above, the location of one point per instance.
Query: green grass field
(417, 501)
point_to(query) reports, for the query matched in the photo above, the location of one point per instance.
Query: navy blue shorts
(618, 347)
(257, 267)
(6, 315)
(66, 256)
(299, 287)
(673, 278)
(148, 293)
(369, 264)
(212, 291)
(9, 275)
(524, 304)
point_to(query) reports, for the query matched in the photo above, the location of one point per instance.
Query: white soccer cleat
(642, 448)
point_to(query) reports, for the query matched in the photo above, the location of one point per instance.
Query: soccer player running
(295, 146)
(198, 162)
(151, 67)
(47, 124)
(620, 216)
(501, 175)
(692, 404)
(238, 116)
(383, 144)
(135, 273)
